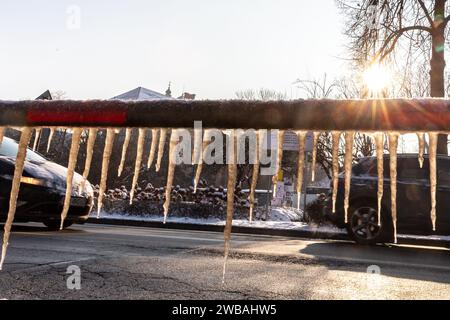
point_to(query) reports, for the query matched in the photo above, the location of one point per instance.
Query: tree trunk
(437, 63)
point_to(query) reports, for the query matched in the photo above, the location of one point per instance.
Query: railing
(427, 115)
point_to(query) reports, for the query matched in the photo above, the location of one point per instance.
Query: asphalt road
(117, 262)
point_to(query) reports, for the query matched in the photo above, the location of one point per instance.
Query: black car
(42, 190)
(413, 200)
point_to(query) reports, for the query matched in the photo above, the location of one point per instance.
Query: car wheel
(55, 225)
(363, 224)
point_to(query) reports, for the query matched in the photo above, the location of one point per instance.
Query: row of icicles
(200, 143)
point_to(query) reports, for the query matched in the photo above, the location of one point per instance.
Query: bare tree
(404, 30)
(261, 94)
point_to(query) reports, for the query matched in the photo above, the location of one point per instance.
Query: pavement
(123, 262)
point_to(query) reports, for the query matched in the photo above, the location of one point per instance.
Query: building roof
(142, 94)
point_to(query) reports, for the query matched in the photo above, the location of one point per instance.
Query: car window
(444, 172)
(9, 149)
(365, 166)
(409, 169)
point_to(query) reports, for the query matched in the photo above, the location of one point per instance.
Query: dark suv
(413, 200)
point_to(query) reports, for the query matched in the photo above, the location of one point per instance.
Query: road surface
(118, 262)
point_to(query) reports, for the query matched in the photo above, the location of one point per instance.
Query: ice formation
(162, 142)
(279, 162)
(151, 155)
(138, 164)
(36, 138)
(336, 135)
(300, 164)
(379, 143)
(74, 148)
(316, 136)
(126, 143)
(170, 172)
(421, 137)
(110, 135)
(50, 138)
(231, 184)
(348, 161)
(393, 145)
(89, 153)
(433, 139)
(20, 162)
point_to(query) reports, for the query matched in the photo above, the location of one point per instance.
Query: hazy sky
(209, 47)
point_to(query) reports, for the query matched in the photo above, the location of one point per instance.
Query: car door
(443, 196)
(413, 196)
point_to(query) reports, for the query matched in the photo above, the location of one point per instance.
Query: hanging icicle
(138, 164)
(316, 136)
(74, 148)
(151, 155)
(170, 172)
(20, 163)
(231, 185)
(379, 143)
(198, 172)
(126, 143)
(301, 135)
(37, 136)
(279, 163)
(421, 137)
(2, 134)
(197, 152)
(255, 174)
(393, 145)
(89, 153)
(162, 142)
(50, 138)
(336, 135)
(433, 137)
(348, 161)
(110, 135)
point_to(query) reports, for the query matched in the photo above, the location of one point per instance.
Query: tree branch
(425, 10)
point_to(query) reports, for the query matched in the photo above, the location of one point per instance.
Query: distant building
(142, 94)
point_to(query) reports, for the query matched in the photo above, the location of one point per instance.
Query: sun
(376, 78)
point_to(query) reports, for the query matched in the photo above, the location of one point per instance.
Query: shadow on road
(37, 228)
(418, 263)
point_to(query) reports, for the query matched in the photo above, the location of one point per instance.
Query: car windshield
(9, 149)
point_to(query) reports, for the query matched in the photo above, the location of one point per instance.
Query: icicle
(348, 161)
(124, 151)
(279, 162)
(162, 142)
(300, 164)
(137, 167)
(151, 155)
(393, 145)
(36, 138)
(89, 153)
(110, 135)
(197, 152)
(74, 148)
(421, 137)
(335, 153)
(232, 176)
(316, 136)
(170, 172)
(50, 138)
(198, 172)
(433, 137)
(255, 174)
(2, 134)
(379, 143)
(20, 162)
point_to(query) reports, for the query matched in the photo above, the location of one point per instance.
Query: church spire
(168, 91)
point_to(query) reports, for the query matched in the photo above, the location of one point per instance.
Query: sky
(98, 49)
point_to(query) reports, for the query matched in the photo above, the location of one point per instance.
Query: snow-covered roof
(141, 94)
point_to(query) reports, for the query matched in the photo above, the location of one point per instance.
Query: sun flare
(376, 78)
